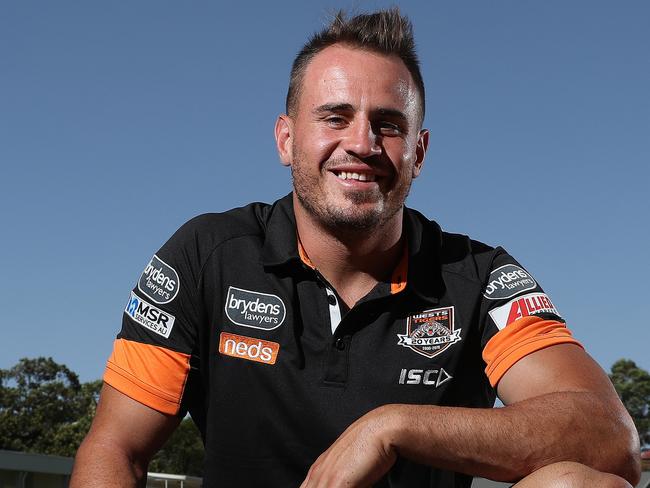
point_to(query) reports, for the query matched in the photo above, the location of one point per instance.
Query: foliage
(44, 408)
(182, 454)
(633, 387)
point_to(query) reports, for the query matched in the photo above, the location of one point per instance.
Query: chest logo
(254, 309)
(249, 348)
(430, 332)
(429, 377)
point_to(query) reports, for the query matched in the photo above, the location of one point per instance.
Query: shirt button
(339, 344)
(331, 299)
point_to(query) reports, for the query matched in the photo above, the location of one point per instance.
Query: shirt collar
(421, 265)
(280, 244)
(424, 266)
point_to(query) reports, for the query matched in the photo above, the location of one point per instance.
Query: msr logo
(150, 317)
(254, 309)
(248, 348)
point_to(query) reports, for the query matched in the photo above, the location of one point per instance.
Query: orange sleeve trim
(519, 339)
(151, 375)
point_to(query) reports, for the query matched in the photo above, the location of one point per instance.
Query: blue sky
(121, 120)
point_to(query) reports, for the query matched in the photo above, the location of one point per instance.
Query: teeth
(346, 175)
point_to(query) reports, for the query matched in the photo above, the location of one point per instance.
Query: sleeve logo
(255, 309)
(507, 281)
(525, 306)
(159, 281)
(150, 317)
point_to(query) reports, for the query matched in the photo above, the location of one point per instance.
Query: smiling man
(338, 338)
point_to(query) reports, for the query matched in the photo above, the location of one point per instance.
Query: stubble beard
(336, 218)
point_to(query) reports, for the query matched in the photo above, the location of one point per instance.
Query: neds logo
(250, 348)
(254, 309)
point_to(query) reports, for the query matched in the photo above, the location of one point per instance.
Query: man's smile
(347, 175)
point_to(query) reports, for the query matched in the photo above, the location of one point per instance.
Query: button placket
(334, 309)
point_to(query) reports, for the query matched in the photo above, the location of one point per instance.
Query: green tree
(633, 387)
(44, 408)
(182, 453)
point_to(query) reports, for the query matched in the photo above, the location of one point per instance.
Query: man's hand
(359, 457)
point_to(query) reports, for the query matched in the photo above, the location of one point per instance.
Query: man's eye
(335, 121)
(389, 128)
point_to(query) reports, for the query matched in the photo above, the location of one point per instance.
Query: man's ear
(420, 151)
(284, 138)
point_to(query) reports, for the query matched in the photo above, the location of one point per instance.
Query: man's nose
(361, 140)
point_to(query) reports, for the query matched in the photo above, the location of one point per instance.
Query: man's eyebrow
(391, 112)
(333, 107)
(347, 107)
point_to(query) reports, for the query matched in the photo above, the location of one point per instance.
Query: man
(336, 338)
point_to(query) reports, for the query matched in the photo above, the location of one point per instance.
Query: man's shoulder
(451, 243)
(206, 232)
(457, 252)
(240, 221)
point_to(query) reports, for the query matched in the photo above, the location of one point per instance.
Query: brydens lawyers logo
(430, 332)
(159, 281)
(248, 348)
(524, 306)
(507, 281)
(148, 316)
(254, 309)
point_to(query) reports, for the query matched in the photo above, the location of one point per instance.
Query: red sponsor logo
(530, 306)
(524, 306)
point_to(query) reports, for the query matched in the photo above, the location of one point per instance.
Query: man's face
(353, 143)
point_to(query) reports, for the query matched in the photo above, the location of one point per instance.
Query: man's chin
(355, 216)
(370, 198)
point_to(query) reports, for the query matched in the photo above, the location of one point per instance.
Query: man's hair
(385, 32)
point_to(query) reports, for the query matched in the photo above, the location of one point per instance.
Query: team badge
(430, 332)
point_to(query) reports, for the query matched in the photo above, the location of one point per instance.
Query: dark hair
(386, 32)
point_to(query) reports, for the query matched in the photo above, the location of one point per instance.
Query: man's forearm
(511, 442)
(123, 438)
(99, 465)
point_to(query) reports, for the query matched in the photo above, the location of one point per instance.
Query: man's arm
(560, 406)
(123, 437)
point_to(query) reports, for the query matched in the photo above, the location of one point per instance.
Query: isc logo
(248, 348)
(429, 377)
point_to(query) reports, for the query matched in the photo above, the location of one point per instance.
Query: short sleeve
(151, 356)
(517, 317)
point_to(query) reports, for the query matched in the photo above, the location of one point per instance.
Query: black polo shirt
(231, 322)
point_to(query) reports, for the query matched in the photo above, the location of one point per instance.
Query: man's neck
(353, 261)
